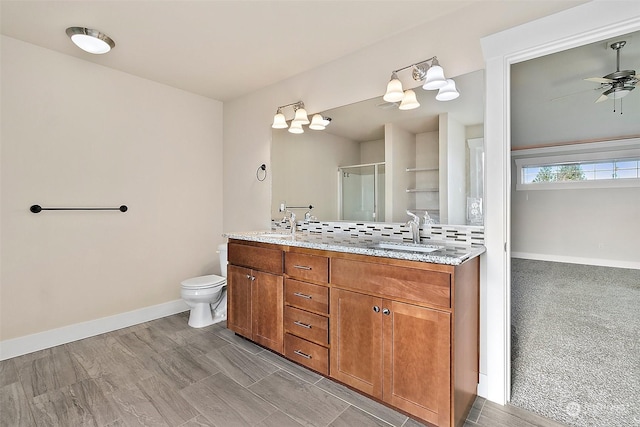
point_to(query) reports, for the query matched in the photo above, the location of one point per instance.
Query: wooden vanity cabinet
(306, 311)
(403, 332)
(396, 336)
(255, 293)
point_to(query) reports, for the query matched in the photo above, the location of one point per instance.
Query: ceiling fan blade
(572, 94)
(601, 99)
(599, 80)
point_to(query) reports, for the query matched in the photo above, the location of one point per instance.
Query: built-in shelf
(430, 209)
(422, 190)
(421, 169)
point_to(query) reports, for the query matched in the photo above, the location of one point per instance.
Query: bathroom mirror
(374, 162)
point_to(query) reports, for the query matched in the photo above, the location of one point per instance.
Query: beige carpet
(576, 342)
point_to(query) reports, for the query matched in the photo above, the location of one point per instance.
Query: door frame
(588, 23)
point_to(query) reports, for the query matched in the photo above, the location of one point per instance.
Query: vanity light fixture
(432, 73)
(318, 122)
(409, 100)
(448, 92)
(89, 40)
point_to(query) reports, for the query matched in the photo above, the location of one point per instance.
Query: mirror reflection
(374, 162)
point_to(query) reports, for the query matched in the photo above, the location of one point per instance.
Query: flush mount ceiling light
(428, 70)
(92, 41)
(318, 122)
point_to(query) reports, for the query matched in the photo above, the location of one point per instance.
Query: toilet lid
(204, 282)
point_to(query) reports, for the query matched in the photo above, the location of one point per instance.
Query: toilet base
(201, 315)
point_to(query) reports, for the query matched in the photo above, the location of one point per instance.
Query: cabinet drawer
(307, 353)
(306, 296)
(430, 287)
(307, 267)
(264, 259)
(309, 326)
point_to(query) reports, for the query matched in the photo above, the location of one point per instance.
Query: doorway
(574, 323)
(597, 21)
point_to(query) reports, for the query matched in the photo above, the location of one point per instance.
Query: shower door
(362, 192)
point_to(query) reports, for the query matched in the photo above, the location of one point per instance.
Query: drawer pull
(305, 296)
(304, 325)
(299, 353)
(302, 267)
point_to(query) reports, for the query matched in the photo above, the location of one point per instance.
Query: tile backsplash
(463, 234)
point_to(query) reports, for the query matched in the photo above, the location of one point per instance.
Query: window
(579, 167)
(580, 171)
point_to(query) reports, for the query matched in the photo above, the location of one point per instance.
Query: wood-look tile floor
(164, 373)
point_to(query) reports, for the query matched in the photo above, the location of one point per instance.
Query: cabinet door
(417, 361)
(239, 300)
(267, 305)
(356, 341)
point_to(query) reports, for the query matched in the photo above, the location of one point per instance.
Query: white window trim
(607, 150)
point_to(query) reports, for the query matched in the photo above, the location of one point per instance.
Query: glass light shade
(301, 117)
(394, 90)
(92, 41)
(279, 121)
(448, 92)
(296, 127)
(90, 44)
(619, 93)
(435, 78)
(409, 101)
(317, 122)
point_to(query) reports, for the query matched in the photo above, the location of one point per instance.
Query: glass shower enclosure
(361, 192)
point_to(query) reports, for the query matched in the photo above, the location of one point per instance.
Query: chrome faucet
(427, 219)
(292, 222)
(414, 226)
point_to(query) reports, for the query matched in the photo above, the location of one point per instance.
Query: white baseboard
(577, 260)
(41, 340)
(483, 386)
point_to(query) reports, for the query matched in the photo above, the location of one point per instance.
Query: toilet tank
(222, 251)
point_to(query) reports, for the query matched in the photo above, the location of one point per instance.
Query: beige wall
(305, 171)
(362, 75)
(400, 154)
(79, 134)
(372, 151)
(452, 156)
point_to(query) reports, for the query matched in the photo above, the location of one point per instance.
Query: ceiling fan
(618, 84)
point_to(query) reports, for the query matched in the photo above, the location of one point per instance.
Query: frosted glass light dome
(92, 41)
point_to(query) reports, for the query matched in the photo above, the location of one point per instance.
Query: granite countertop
(444, 252)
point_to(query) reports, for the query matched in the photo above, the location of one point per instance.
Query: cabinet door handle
(299, 353)
(253, 278)
(304, 325)
(376, 309)
(248, 276)
(386, 311)
(305, 296)
(302, 267)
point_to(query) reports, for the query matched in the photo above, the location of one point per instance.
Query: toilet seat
(204, 282)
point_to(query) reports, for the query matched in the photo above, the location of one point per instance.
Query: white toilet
(207, 295)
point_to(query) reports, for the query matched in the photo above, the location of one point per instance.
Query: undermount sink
(276, 235)
(409, 247)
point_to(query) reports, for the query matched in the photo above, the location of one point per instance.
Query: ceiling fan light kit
(618, 84)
